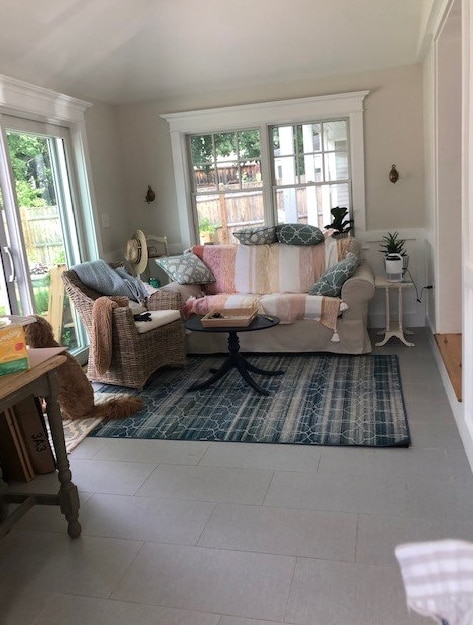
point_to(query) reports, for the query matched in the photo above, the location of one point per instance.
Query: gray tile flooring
(193, 533)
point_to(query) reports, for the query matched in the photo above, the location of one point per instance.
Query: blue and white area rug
(322, 399)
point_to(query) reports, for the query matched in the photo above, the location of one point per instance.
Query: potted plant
(340, 223)
(206, 230)
(394, 250)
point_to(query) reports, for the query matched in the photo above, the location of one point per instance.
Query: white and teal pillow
(186, 269)
(300, 234)
(331, 282)
(261, 235)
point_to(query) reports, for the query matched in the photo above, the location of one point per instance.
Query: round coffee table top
(260, 322)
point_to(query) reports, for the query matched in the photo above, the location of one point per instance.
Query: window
(311, 171)
(46, 217)
(227, 186)
(274, 162)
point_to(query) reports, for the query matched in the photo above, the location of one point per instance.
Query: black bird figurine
(150, 195)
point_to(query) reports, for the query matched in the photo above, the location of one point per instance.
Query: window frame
(264, 115)
(63, 117)
(326, 182)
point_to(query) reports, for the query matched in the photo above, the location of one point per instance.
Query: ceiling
(126, 51)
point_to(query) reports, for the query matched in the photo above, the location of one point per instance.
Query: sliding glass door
(40, 226)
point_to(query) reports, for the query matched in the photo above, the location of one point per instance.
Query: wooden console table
(40, 380)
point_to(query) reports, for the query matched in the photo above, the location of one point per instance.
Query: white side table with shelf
(394, 328)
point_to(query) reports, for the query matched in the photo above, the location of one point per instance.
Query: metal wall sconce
(150, 195)
(394, 174)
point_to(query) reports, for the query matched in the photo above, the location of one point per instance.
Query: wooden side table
(394, 328)
(40, 380)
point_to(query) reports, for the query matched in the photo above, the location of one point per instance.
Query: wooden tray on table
(229, 317)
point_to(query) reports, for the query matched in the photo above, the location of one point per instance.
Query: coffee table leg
(255, 369)
(235, 361)
(217, 375)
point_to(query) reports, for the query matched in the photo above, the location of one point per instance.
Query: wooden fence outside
(233, 211)
(42, 235)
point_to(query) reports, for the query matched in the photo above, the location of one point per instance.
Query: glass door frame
(30, 103)
(65, 202)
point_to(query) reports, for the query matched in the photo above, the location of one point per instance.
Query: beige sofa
(276, 279)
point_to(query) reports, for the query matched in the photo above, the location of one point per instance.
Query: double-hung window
(311, 171)
(227, 184)
(265, 164)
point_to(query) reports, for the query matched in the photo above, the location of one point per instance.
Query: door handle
(7, 252)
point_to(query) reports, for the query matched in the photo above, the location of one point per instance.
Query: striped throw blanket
(274, 279)
(438, 579)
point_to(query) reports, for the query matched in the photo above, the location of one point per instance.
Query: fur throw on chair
(76, 395)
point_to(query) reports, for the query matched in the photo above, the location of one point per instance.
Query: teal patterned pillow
(331, 282)
(300, 234)
(257, 236)
(186, 269)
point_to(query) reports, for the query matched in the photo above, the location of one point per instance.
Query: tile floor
(194, 533)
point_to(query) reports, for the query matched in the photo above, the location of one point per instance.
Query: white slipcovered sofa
(277, 278)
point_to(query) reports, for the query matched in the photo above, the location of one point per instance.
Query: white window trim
(349, 105)
(19, 98)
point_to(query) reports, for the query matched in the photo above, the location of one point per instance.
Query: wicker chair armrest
(164, 300)
(123, 316)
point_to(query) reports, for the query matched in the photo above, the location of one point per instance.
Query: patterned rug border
(165, 383)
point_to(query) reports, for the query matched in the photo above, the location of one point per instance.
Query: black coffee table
(234, 359)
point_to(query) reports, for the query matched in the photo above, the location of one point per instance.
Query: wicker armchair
(135, 356)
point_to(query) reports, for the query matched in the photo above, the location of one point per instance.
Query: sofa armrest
(359, 289)
(164, 300)
(185, 290)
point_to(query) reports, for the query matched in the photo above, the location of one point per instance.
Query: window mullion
(270, 213)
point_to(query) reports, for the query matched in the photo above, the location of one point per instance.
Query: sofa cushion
(186, 269)
(331, 282)
(260, 235)
(300, 234)
(156, 319)
(221, 260)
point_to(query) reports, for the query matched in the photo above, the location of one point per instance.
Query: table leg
(3, 502)
(399, 309)
(235, 360)
(68, 494)
(387, 317)
(387, 310)
(400, 331)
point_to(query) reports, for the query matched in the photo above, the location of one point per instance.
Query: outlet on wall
(105, 220)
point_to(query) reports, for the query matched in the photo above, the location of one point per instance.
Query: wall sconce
(150, 195)
(394, 174)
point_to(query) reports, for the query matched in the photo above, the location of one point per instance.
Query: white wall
(146, 159)
(108, 181)
(430, 188)
(465, 416)
(448, 169)
(393, 133)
